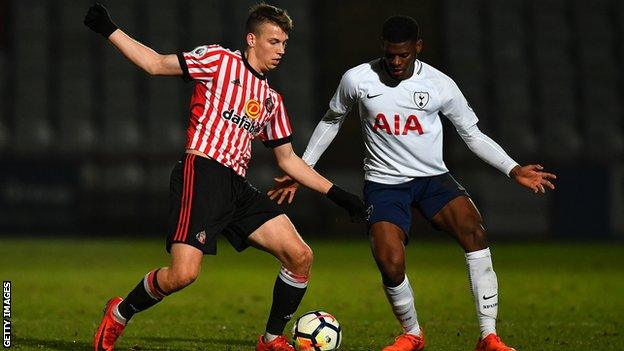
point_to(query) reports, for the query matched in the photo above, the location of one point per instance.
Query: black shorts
(207, 198)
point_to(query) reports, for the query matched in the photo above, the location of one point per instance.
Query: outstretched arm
(341, 103)
(98, 20)
(529, 176)
(457, 110)
(486, 148)
(324, 134)
(298, 170)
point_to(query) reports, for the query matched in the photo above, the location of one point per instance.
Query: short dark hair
(398, 29)
(262, 12)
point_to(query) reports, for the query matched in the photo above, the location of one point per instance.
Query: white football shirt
(401, 124)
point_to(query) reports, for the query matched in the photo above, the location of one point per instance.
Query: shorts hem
(238, 237)
(406, 232)
(205, 251)
(450, 198)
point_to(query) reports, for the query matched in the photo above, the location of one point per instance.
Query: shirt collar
(251, 69)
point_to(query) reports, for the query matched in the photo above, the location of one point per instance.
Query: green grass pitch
(553, 296)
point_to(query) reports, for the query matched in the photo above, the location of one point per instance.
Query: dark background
(87, 140)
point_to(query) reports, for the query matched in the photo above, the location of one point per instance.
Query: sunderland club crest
(268, 104)
(421, 98)
(198, 52)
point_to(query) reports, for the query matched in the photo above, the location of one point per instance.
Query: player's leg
(278, 237)
(192, 208)
(388, 224)
(192, 187)
(460, 218)
(387, 246)
(259, 222)
(155, 285)
(183, 270)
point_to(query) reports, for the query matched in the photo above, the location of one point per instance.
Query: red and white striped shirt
(231, 105)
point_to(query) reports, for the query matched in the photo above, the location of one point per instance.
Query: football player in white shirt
(399, 99)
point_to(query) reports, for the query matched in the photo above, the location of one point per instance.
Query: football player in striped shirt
(232, 104)
(399, 99)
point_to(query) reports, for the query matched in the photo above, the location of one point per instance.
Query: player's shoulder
(441, 80)
(213, 49)
(360, 72)
(274, 93)
(224, 50)
(435, 74)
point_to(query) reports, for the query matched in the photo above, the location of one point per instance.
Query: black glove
(99, 20)
(350, 202)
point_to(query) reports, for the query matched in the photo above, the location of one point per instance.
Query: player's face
(400, 57)
(268, 45)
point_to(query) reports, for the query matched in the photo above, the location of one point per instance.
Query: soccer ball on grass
(317, 331)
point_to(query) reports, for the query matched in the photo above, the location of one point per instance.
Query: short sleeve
(278, 130)
(201, 63)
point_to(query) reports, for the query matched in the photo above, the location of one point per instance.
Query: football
(317, 331)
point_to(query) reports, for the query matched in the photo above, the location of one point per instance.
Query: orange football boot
(110, 329)
(492, 343)
(407, 342)
(278, 344)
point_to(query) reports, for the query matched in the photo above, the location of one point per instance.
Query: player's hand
(533, 177)
(285, 187)
(350, 202)
(99, 20)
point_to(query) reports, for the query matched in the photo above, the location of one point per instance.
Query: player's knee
(307, 257)
(392, 269)
(301, 258)
(474, 236)
(297, 259)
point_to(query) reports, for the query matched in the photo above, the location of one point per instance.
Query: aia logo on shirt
(411, 124)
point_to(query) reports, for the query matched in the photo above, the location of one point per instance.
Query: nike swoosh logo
(369, 96)
(488, 297)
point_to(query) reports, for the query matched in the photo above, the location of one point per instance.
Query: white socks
(401, 299)
(484, 287)
(483, 284)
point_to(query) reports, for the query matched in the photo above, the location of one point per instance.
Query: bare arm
(324, 133)
(98, 20)
(296, 168)
(144, 57)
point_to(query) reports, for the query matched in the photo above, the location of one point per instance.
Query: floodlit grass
(552, 296)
